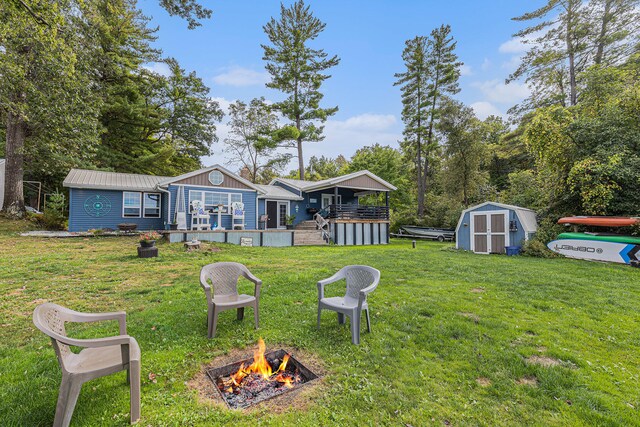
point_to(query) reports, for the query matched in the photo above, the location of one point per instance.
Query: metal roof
(276, 192)
(100, 180)
(526, 216)
(317, 185)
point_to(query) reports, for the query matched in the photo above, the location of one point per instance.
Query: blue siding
(463, 233)
(299, 207)
(80, 220)
(249, 198)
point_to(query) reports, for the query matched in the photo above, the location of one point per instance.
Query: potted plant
(173, 225)
(289, 220)
(148, 240)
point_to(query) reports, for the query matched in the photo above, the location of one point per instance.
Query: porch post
(386, 198)
(335, 195)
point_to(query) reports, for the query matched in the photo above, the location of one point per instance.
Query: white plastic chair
(224, 279)
(361, 281)
(100, 357)
(199, 216)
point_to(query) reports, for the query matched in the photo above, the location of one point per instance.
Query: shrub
(53, 217)
(538, 249)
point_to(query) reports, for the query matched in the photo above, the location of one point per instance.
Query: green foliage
(431, 72)
(524, 190)
(594, 182)
(53, 217)
(538, 249)
(253, 139)
(297, 70)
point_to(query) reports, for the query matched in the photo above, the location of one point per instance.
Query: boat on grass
(601, 237)
(439, 234)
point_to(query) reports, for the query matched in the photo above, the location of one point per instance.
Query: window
(152, 205)
(131, 204)
(216, 177)
(212, 199)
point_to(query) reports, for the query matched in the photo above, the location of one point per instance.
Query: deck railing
(357, 212)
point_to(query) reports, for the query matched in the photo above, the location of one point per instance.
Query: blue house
(105, 199)
(490, 227)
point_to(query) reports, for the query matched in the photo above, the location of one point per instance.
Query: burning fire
(262, 369)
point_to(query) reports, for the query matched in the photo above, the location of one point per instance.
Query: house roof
(101, 180)
(331, 182)
(246, 182)
(276, 192)
(527, 217)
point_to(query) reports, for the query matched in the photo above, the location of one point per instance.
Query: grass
(452, 333)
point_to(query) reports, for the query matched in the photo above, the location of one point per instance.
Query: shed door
(489, 232)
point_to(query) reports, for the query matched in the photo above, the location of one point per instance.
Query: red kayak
(600, 221)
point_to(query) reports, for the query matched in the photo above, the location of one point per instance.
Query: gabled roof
(101, 180)
(331, 182)
(246, 182)
(276, 192)
(527, 217)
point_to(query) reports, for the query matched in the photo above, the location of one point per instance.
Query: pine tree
(432, 72)
(296, 69)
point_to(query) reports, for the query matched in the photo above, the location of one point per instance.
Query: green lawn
(452, 332)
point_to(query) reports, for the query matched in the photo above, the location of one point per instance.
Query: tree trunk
(606, 17)
(14, 166)
(573, 97)
(300, 158)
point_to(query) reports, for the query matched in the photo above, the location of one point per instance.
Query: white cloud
(363, 123)
(240, 76)
(485, 109)
(486, 64)
(158, 68)
(466, 70)
(497, 91)
(223, 103)
(514, 45)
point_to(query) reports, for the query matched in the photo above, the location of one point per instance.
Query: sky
(368, 37)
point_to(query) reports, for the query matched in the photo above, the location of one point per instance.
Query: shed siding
(203, 180)
(463, 234)
(80, 220)
(249, 198)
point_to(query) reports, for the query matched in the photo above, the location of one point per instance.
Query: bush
(538, 249)
(53, 217)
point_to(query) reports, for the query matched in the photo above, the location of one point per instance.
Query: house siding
(299, 207)
(463, 234)
(80, 220)
(203, 180)
(249, 198)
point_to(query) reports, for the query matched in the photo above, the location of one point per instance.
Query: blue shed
(490, 227)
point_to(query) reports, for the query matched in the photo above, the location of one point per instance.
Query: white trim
(338, 202)
(320, 185)
(139, 193)
(110, 188)
(209, 169)
(516, 209)
(204, 204)
(277, 202)
(488, 233)
(210, 187)
(144, 215)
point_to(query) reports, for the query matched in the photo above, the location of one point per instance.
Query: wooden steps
(306, 225)
(305, 237)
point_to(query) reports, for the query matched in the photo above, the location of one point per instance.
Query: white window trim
(144, 215)
(124, 193)
(472, 234)
(330, 196)
(228, 205)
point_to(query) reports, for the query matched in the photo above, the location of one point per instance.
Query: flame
(261, 367)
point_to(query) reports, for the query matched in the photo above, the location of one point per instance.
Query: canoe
(599, 221)
(595, 250)
(440, 234)
(601, 237)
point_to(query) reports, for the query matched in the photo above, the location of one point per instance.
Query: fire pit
(251, 381)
